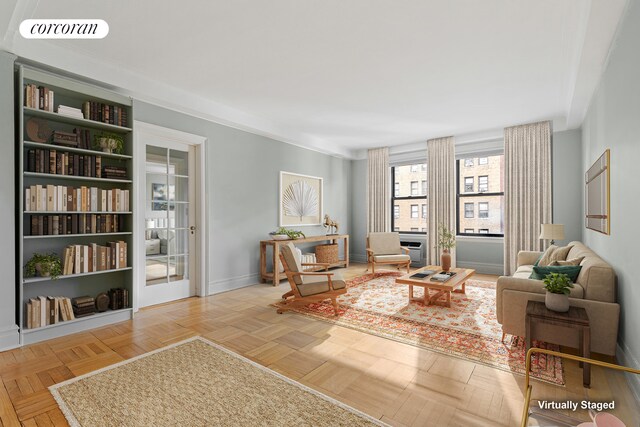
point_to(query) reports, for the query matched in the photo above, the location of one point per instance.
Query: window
(480, 196)
(468, 184)
(409, 200)
(424, 187)
(424, 211)
(414, 188)
(423, 229)
(468, 162)
(468, 210)
(483, 184)
(483, 210)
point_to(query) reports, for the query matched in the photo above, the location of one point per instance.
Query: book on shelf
(78, 259)
(62, 198)
(83, 306)
(52, 161)
(47, 310)
(105, 113)
(66, 110)
(118, 298)
(69, 224)
(38, 97)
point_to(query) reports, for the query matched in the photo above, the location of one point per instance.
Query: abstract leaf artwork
(300, 199)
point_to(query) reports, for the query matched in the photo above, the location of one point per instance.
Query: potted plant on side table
(558, 286)
(446, 241)
(44, 265)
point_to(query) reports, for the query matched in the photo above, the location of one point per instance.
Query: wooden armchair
(308, 286)
(384, 248)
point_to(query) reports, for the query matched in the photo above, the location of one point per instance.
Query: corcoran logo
(64, 29)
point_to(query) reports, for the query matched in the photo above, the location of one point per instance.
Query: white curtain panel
(527, 155)
(441, 194)
(378, 197)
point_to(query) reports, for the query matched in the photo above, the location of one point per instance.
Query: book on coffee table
(422, 274)
(443, 276)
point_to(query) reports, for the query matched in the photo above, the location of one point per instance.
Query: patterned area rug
(468, 329)
(197, 383)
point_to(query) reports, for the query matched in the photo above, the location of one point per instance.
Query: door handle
(193, 229)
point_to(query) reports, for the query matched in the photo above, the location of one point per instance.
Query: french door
(170, 177)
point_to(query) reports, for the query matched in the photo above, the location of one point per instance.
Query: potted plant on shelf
(284, 234)
(109, 142)
(44, 265)
(558, 286)
(446, 241)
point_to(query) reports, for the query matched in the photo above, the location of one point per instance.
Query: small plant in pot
(44, 265)
(109, 142)
(446, 241)
(558, 286)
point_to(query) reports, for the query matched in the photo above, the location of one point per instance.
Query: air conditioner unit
(416, 252)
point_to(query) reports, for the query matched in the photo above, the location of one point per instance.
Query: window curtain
(441, 194)
(378, 197)
(527, 155)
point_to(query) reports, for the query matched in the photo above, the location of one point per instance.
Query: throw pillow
(554, 253)
(540, 272)
(573, 261)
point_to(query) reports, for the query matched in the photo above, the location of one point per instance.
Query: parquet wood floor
(397, 383)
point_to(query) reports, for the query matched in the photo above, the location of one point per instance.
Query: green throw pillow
(540, 273)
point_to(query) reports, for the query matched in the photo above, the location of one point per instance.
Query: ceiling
(340, 76)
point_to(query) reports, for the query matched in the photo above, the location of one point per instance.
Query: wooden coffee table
(455, 284)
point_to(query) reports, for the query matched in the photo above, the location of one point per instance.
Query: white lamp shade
(551, 232)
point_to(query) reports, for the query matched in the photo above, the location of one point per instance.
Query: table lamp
(551, 232)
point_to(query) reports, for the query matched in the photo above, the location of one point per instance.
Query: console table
(575, 318)
(275, 275)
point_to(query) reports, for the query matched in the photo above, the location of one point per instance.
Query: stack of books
(118, 298)
(83, 306)
(105, 113)
(62, 198)
(68, 139)
(114, 172)
(38, 97)
(89, 258)
(62, 163)
(70, 111)
(52, 225)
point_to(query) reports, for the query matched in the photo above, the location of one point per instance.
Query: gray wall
(8, 327)
(242, 189)
(358, 210)
(568, 183)
(613, 121)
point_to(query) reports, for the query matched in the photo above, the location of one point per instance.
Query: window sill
(491, 239)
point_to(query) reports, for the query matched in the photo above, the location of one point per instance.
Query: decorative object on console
(558, 286)
(597, 202)
(285, 234)
(551, 232)
(446, 241)
(300, 199)
(44, 265)
(331, 225)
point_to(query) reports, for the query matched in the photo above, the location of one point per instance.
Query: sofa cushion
(540, 272)
(553, 253)
(391, 258)
(572, 261)
(597, 277)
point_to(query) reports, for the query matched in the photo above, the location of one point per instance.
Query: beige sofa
(595, 290)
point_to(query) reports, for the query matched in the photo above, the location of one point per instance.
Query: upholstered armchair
(384, 248)
(308, 286)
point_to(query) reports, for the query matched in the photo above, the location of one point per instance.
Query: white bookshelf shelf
(71, 276)
(75, 177)
(73, 236)
(76, 212)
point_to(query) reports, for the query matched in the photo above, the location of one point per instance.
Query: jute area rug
(469, 329)
(197, 383)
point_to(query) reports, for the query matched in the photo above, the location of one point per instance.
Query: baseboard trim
(9, 338)
(482, 267)
(231, 283)
(358, 258)
(625, 358)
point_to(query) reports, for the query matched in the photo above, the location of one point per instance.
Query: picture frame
(597, 205)
(300, 200)
(160, 197)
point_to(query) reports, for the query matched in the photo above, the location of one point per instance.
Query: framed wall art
(301, 200)
(596, 197)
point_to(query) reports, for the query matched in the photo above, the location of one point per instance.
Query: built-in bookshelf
(61, 121)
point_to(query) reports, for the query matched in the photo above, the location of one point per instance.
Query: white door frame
(160, 133)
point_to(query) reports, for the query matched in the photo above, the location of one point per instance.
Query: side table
(575, 318)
